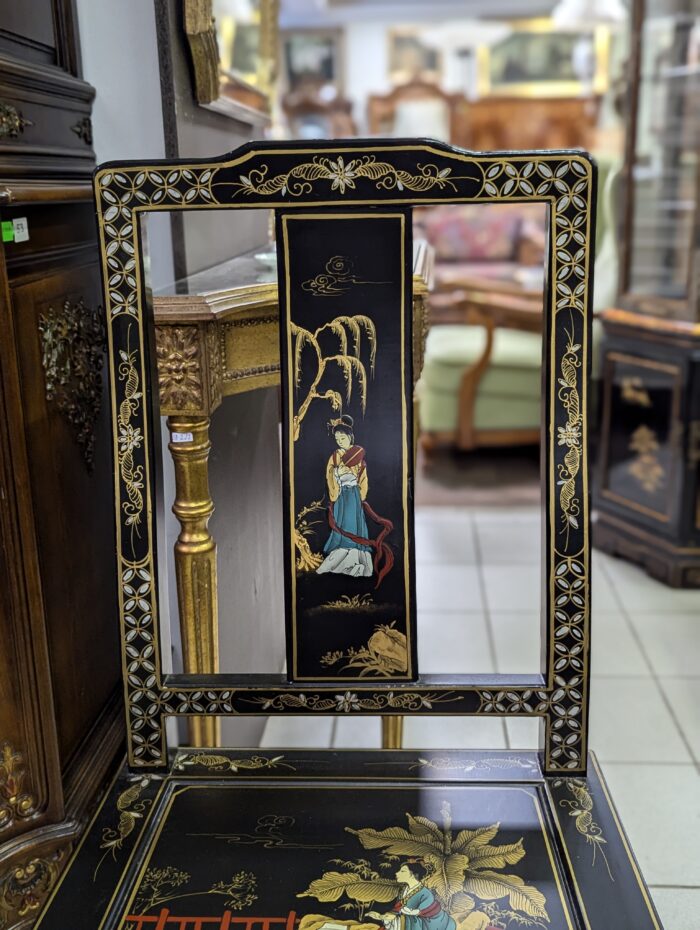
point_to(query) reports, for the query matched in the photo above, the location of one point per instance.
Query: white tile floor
(478, 604)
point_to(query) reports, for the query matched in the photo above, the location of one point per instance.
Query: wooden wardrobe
(58, 738)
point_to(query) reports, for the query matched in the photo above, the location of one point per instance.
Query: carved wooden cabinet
(58, 736)
(648, 493)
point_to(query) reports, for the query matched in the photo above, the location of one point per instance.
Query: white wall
(120, 60)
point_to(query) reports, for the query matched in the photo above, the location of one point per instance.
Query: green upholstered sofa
(480, 386)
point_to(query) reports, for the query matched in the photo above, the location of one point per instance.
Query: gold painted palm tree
(465, 872)
(349, 331)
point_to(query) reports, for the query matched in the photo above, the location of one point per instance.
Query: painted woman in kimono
(348, 550)
(418, 908)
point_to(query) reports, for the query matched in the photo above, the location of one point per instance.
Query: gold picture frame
(542, 36)
(240, 88)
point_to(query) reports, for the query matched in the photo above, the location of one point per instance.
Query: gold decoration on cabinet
(179, 367)
(24, 887)
(646, 467)
(14, 803)
(73, 348)
(12, 122)
(634, 392)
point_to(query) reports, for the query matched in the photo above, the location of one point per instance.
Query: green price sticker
(8, 231)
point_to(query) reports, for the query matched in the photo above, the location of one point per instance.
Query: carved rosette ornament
(24, 887)
(73, 349)
(15, 804)
(179, 368)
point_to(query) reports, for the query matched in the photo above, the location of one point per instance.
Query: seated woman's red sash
(432, 910)
(383, 554)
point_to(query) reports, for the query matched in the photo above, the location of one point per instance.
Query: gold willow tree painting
(340, 345)
(458, 880)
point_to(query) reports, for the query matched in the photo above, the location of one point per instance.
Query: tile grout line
(487, 615)
(652, 671)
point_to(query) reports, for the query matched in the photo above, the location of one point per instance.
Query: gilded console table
(218, 335)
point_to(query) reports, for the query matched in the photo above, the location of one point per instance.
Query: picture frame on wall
(539, 59)
(312, 61)
(412, 59)
(233, 48)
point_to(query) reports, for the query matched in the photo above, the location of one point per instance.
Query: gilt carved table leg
(195, 559)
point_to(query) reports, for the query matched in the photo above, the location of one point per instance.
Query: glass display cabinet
(647, 487)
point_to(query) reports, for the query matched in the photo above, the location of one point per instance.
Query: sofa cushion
(438, 411)
(514, 369)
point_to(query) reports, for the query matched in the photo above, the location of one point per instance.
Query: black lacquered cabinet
(646, 480)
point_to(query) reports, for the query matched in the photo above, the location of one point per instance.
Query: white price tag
(182, 437)
(21, 228)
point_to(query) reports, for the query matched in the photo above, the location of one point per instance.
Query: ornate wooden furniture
(409, 105)
(216, 336)
(490, 123)
(309, 117)
(214, 838)
(60, 732)
(647, 489)
(536, 122)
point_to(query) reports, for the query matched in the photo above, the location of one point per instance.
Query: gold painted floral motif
(361, 602)
(24, 887)
(15, 804)
(350, 701)
(161, 886)
(131, 809)
(570, 436)
(130, 438)
(385, 654)
(72, 355)
(580, 806)
(179, 367)
(338, 278)
(300, 179)
(646, 468)
(219, 763)
(464, 874)
(307, 560)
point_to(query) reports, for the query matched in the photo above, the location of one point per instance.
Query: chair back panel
(356, 176)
